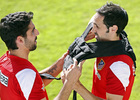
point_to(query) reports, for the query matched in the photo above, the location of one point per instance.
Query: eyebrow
(96, 25)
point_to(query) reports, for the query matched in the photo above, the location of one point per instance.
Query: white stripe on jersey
(122, 72)
(26, 78)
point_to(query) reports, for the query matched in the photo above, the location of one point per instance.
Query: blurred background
(60, 22)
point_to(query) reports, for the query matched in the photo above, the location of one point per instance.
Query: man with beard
(19, 79)
(113, 76)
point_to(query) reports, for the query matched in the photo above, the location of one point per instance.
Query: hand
(63, 75)
(60, 61)
(70, 76)
(73, 73)
(90, 35)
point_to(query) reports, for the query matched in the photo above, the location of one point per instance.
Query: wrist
(68, 84)
(76, 86)
(60, 62)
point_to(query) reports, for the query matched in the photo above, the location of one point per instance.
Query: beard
(30, 44)
(98, 38)
(33, 47)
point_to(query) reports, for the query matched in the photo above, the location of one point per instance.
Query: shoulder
(26, 76)
(21, 65)
(122, 71)
(26, 79)
(25, 73)
(121, 65)
(124, 58)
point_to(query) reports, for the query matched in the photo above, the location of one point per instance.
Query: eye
(33, 30)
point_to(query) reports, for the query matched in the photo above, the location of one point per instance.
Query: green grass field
(60, 22)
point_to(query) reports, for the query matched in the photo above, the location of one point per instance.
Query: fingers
(65, 54)
(73, 73)
(75, 62)
(90, 35)
(75, 65)
(63, 76)
(70, 67)
(81, 64)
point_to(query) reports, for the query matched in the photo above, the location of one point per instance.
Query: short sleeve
(26, 78)
(118, 78)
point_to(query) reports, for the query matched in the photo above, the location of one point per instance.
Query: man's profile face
(31, 38)
(99, 28)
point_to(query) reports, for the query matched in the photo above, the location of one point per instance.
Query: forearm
(86, 95)
(65, 91)
(53, 70)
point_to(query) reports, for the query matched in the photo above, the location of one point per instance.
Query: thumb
(75, 62)
(80, 65)
(63, 76)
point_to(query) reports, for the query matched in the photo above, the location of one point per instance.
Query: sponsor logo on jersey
(3, 79)
(101, 64)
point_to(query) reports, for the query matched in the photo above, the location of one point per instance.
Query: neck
(115, 38)
(20, 53)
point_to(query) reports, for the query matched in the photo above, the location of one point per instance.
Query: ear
(113, 29)
(19, 40)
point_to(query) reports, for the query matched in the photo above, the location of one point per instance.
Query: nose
(93, 30)
(36, 32)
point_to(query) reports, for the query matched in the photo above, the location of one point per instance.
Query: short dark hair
(114, 15)
(14, 25)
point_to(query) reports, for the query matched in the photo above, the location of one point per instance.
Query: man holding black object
(19, 79)
(114, 72)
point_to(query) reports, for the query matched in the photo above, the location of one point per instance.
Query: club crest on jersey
(101, 64)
